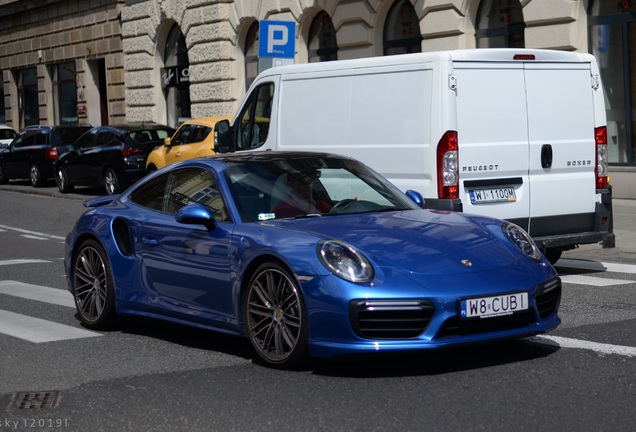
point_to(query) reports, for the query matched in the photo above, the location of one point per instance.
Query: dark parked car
(33, 152)
(113, 157)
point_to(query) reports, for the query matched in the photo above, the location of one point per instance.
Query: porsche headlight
(345, 261)
(522, 241)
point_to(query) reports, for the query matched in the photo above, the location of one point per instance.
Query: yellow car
(193, 139)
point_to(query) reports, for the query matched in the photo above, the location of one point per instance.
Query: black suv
(113, 157)
(33, 152)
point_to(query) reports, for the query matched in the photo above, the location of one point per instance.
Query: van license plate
(500, 194)
(488, 307)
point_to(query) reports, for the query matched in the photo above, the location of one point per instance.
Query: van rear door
(492, 131)
(562, 147)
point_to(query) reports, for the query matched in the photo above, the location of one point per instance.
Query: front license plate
(488, 307)
(498, 194)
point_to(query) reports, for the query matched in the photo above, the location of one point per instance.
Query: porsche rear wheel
(93, 286)
(275, 317)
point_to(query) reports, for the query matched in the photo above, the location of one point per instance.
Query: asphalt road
(150, 376)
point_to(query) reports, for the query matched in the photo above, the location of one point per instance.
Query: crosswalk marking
(583, 344)
(39, 234)
(22, 261)
(33, 329)
(36, 292)
(37, 330)
(596, 267)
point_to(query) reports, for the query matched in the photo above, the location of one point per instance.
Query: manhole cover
(34, 400)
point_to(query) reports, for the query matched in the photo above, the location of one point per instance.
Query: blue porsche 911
(306, 255)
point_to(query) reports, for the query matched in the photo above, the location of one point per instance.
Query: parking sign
(277, 39)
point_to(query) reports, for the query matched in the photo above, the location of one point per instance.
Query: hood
(418, 241)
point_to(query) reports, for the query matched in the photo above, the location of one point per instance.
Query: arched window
(251, 55)
(500, 24)
(402, 30)
(322, 44)
(612, 27)
(176, 77)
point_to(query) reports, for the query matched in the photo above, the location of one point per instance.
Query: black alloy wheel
(63, 184)
(35, 175)
(93, 286)
(275, 317)
(111, 182)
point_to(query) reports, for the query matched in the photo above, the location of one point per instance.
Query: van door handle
(546, 156)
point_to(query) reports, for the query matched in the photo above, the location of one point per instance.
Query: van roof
(480, 54)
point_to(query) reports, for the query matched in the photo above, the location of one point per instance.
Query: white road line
(23, 231)
(36, 292)
(29, 236)
(582, 344)
(593, 281)
(38, 330)
(22, 261)
(596, 266)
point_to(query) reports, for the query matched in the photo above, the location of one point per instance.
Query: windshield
(311, 186)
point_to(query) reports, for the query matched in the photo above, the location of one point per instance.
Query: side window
(103, 138)
(26, 139)
(152, 194)
(86, 140)
(193, 185)
(183, 136)
(40, 138)
(200, 134)
(253, 122)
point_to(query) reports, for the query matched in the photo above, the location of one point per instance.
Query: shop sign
(175, 76)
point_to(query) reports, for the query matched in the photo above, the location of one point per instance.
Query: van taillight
(51, 153)
(448, 166)
(600, 135)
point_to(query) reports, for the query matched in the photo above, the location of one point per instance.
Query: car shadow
(578, 266)
(374, 365)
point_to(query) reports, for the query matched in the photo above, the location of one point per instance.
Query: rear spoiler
(100, 201)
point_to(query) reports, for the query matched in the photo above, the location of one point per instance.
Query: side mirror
(223, 142)
(167, 141)
(196, 214)
(416, 197)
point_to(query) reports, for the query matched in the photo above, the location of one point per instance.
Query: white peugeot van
(514, 134)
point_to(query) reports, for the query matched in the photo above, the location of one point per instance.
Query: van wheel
(553, 255)
(36, 176)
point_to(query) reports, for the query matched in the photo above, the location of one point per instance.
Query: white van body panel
(391, 112)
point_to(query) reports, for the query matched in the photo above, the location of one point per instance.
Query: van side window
(253, 124)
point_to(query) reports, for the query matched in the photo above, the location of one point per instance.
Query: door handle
(546, 156)
(150, 241)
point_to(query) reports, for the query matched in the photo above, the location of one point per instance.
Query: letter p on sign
(277, 39)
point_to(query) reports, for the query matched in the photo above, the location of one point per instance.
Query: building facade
(168, 60)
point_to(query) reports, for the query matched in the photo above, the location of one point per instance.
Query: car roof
(208, 121)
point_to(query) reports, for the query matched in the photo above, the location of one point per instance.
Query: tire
(275, 317)
(151, 169)
(93, 286)
(63, 184)
(111, 182)
(35, 175)
(3, 178)
(553, 255)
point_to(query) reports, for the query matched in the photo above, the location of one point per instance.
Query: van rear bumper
(562, 232)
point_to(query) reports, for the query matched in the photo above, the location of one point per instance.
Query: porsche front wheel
(275, 317)
(93, 287)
